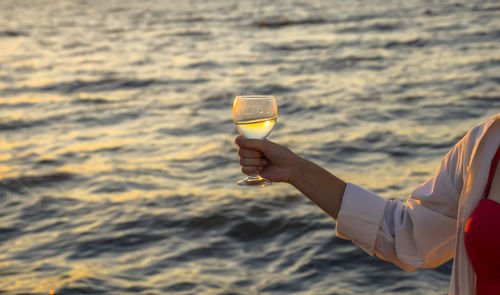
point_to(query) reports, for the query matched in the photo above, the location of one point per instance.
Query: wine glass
(254, 116)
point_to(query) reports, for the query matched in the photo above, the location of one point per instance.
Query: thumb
(260, 145)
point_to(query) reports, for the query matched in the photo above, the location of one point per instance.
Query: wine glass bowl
(254, 116)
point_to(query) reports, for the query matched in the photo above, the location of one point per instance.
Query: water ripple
(100, 85)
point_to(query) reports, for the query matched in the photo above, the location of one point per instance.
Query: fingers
(251, 152)
(251, 162)
(246, 153)
(258, 162)
(251, 170)
(251, 144)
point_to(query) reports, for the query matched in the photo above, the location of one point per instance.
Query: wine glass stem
(254, 176)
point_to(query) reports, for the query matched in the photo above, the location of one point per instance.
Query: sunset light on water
(117, 155)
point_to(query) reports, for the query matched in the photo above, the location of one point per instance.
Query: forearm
(320, 186)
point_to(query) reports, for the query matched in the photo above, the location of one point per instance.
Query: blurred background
(117, 162)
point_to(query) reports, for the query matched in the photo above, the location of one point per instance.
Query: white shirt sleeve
(413, 234)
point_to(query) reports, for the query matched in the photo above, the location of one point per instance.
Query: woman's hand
(279, 164)
(268, 159)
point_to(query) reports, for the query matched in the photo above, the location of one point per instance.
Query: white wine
(256, 129)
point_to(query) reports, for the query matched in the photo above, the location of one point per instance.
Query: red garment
(482, 240)
(494, 164)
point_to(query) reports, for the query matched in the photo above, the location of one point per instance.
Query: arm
(319, 185)
(421, 232)
(417, 233)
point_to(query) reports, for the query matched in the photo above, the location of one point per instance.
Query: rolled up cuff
(360, 215)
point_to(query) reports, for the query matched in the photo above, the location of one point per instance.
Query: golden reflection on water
(40, 284)
(4, 170)
(15, 116)
(39, 98)
(191, 154)
(9, 45)
(93, 146)
(39, 82)
(93, 165)
(5, 157)
(113, 96)
(121, 196)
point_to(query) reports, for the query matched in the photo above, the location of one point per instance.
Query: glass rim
(256, 96)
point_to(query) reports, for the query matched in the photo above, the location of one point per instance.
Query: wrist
(296, 170)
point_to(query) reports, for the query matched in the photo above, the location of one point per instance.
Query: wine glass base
(250, 181)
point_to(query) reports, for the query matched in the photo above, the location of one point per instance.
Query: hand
(279, 164)
(268, 159)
